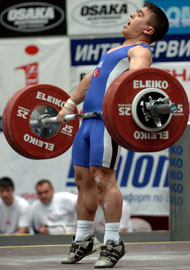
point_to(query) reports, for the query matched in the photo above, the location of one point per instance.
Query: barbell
(144, 110)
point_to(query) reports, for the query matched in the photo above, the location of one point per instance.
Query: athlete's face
(6, 194)
(137, 23)
(45, 193)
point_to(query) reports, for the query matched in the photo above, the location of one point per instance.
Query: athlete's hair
(158, 21)
(6, 182)
(43, 181)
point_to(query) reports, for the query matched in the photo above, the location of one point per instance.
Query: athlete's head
(6, 190)
(158, 21)
(147, 24)
(45, 191)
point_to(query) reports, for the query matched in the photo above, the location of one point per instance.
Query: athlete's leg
(113, 248)
(87, 194)
(103, 159)
(85, 243)
(87, 202)
(109, 191)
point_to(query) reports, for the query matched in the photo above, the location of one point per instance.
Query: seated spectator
(15, 212)
(125, 221)
(54, 212)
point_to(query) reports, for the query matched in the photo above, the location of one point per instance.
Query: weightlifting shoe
(110, 254)
(80, 249)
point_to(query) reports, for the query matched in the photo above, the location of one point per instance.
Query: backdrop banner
(142, 177)
(26, 18)
(172, 48)
(86, 17)
(33, 60)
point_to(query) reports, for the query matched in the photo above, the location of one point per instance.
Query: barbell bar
(45, 120)
(157, 109)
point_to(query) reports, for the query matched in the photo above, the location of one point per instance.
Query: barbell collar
(157, 110)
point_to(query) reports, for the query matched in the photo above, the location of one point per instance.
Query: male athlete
(95, 155)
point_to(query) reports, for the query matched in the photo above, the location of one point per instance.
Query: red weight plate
(121, 94)
(6, 129)
(30, 102)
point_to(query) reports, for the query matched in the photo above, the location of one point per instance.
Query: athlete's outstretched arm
(139, 57)
(76, 98)
(80, 92)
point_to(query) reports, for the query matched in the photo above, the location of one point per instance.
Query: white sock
(84, 229)
(112, 232)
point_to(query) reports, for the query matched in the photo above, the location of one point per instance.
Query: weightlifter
(95, 155)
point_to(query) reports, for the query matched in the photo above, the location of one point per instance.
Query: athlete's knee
(79, 174)
(104, 178)
(83, 178)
